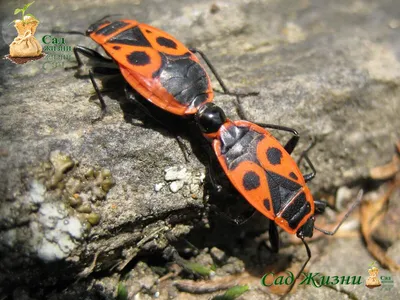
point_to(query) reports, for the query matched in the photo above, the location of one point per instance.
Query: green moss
(93, 218)
(197, 268)
(84, 208)
(232, 293)
(61, 164)
(122, 292)
(107, 184)
(79, 186)
(75, 200)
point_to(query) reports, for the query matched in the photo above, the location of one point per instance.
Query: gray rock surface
(330, 69)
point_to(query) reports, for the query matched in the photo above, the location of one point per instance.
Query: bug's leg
(320, 206)
(89, 53)
(130, 94)
(98, 93)
(219, 79)
(103, 71)
(106, 70)
(273, 236)
(218, 189)
(304, 155)
(212, 175)
(358, 200)
(292, 143)
(302, 267)
(309, 176)
(96, 56)
(229, 218)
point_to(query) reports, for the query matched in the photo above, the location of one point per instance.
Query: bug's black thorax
(210, 118)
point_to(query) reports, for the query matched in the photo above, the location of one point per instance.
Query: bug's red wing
(137, 48)
(260, 169)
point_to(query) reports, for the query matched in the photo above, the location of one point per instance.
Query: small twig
(372, 214)
(89, 270)
(176, 269)
(204, 287)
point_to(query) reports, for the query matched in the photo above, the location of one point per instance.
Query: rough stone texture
(330, 69)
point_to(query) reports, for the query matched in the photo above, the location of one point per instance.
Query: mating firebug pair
(169, 75)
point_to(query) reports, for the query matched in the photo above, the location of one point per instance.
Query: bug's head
(210, 118)
(103, 21)
(307, 229)
(92, 28)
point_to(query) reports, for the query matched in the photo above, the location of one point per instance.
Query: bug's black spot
(148, 31)
(266, 204)
(292, 175)
(251, 181)
(274, 156)
(132, 36)
(138, 58)
(116, 47)
(111, 28)
(162, 41)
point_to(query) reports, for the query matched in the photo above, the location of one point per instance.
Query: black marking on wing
(274, 155)
(132, 36)
(138, 58)
(296, 211)
(282, 190)
(111, 28)
(163, 41)
(251, 181)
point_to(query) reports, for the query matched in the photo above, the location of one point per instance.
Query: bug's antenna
(107, 16)
(82, 33)
(68, 32)
(358, 200)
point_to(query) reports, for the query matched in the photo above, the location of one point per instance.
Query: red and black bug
(170, 76)
(155, 64)
(265, 174)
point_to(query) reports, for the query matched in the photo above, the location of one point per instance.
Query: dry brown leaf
(388, 170)
(372, 213)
